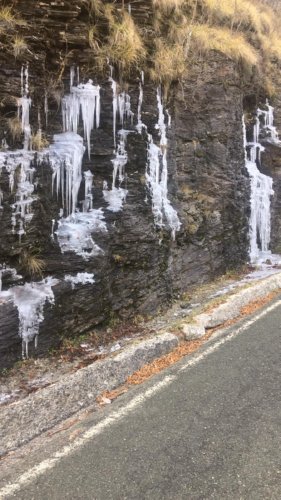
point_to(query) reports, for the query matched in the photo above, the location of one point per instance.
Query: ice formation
(74, 233)
(65, 157)
(261, 192)
(114, 103)
(140, 125)
(84, 99)
(268, 119)
(157, 175)
(24, 104)
(116, 196)
(124, 108)
(80, 279)
(18, 165)
(30, 300)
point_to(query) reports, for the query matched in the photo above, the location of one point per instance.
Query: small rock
(185, 305)
(115, 347)
(193, 331)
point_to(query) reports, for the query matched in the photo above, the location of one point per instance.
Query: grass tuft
(233, 45)
(19, 46)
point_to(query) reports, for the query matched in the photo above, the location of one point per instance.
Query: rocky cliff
(142, 263)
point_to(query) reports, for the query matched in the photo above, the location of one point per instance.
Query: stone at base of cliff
(193, 331)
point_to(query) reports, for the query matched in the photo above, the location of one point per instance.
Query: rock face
(141, 267)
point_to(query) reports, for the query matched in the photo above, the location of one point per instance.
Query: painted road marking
(50, 463)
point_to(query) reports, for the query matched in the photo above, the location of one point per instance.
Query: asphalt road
(207, 431)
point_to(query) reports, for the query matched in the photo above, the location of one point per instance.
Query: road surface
(207, 428)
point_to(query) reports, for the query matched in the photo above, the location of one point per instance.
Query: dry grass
(38, 141)
(19, 46)
(31, 263)
(95, 7)
(245, 31)
(233, 45)
(169, 62)
(243, 14)
(8, 19)
(125, 46)
(168, 5)
(15, 127)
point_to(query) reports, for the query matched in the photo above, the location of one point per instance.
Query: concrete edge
(231, 309)
(25, 419)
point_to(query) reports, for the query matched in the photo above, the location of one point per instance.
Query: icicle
(30, 300)
(114, 106)
(65, 157)
(46, 108)
(157, 175)
(140, 125)
(72, 76)
(1, 198)
(130, 9)
(84, 98)
(124, 107)
(261, 192)
(53, 228)
(21, 81)
(0, 280)
(116, 196)
(268, 117)
(26, 87)
(88, 202)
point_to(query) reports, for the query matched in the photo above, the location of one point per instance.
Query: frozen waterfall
(261, 189)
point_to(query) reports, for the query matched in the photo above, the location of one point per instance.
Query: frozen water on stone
(74, 233)
(157, 176)
(140, 125)
(88, 202)
(24, 104)
(268, 118)
(261, 192)
(80, 279)
(20, 160)
(46, 108)
(30, 300)
(114, 104)
(84, 99)
(124, 108)
(65, 157)
(116, 196)
(53, 228)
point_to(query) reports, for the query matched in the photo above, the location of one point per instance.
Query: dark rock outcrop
(141, 269)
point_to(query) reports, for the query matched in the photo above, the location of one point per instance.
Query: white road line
(48, 464)
(229, 337)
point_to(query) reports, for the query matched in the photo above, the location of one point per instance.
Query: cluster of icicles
(261, 185)
(75, 227)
